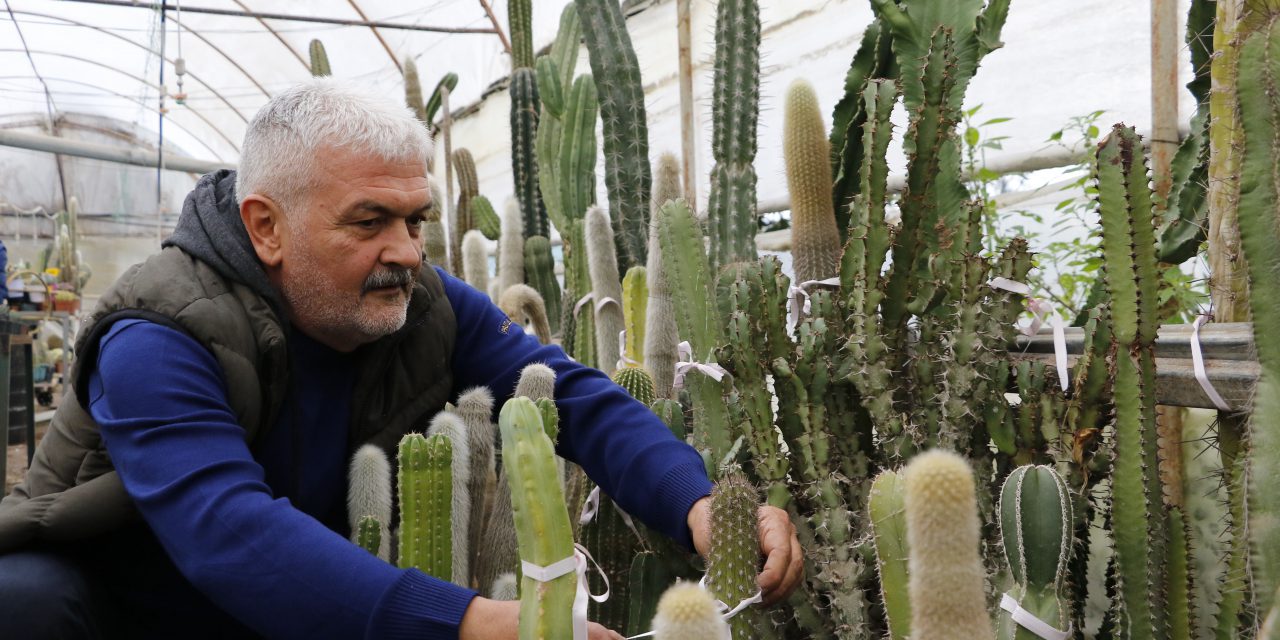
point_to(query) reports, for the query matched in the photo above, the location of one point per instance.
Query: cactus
(626, 133)
(413, 91)
(434, 242)
(672, 415)
(468, 187)
(448, 83)
(733, 561)
(872, 62)
(319, 59)
(731, 207)
(485, 218)
(614, 545)
(605, 288)
(368, 535)
(511, 251)
(635, 299)
(943, 537)
(661, 337)
(536, 381)
(501, 554)
(524, 166)
(369, 496)
(539, 270)
(542, 523)
(815, 238)
(637, 382)
(647, 579)
(1128, 244)
(1036, 525)
(687, 612)
(889, 525)
(475, 408)
(475, 260)
(520, 26)
(506, 587)
(524, 306)
(425, 498)
(451, 426)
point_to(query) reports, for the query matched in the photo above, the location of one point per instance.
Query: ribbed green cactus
(815, 241)
(637, 382)
(887, 511)
(450, 82)
(646, 582)
(943, 538)
(368, 535)
(426, 489)
(1128, 244)
(606, 288)
(687, 612)
(475, 260)
(1259, 195)
(614, 546)
(413, 90)
(671, 414)
(468, 187)
(524, 164)
(734, 559)
(511, 251)
(1036, 525)
(661, 336)
(873, 61)
(542, 523)
(319, 60)
(485, 218)
(635, 302)
(451, 427)
(369, 496)
(539, 270)
(735, 108)
(520, 26)
(626, 133)
(525, 307)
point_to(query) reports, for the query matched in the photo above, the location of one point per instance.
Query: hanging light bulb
(180, 66)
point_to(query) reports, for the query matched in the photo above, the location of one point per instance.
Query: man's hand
(487, 619)
(784, 559)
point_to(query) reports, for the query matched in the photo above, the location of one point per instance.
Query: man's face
(351, 251)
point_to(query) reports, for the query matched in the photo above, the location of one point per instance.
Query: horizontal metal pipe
(282, 16)
(82, 149)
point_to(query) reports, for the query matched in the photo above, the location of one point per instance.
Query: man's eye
(370, 223)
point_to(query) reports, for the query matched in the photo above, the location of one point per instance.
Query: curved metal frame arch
(215, 128)
(378, 35)
(305, 64)
(141, 103)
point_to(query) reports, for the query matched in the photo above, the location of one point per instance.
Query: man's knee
(44, 595)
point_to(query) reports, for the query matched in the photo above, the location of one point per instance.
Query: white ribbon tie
(1030, 622)
(592, 506)
(800, 305)
(574, 563)
(1197, 362)
(686, 364)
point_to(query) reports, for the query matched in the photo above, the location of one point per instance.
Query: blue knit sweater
(255, 541)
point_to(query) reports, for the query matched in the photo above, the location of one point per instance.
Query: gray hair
(278, 157)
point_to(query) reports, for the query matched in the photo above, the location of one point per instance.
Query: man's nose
(402, 249)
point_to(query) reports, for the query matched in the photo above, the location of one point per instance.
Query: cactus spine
(451, 427)
(511, 251)
(539, 269)
(1128, 244)
(687, 612)
(368, 535)
(475, 260)
(637, 382)
(426, 489)
(660, 337)
(485, 218)
(635, 299)
(434, 242)
(735, 107)
(369, 496)
(733, 560)
(943, 536)
(413, 90)
(542, 523)
(537, 380)
(626, 133)
(319, 60)
(605, 288)
(815, 238)
(524, 306)
(524, 166)
(1036, 524)
(886, 505)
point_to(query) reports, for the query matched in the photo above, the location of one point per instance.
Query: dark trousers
(46, 595)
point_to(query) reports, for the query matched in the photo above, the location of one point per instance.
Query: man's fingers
(597, 631)
(783, 557)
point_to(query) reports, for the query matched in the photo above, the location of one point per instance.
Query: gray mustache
(389, 278)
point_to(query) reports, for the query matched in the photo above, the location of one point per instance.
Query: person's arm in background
(160, 399)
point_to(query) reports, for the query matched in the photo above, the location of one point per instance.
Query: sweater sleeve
(160, 399)
(618, 441)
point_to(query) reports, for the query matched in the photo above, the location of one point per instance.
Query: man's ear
(264, 220)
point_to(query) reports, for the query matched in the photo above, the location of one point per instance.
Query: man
(221, 386)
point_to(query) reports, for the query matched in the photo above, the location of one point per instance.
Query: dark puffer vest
(72, 492)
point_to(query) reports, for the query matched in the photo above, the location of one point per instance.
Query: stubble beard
(313, 296)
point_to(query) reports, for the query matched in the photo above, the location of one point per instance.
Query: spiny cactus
(369, 495)
(451, 426)
(814, 237)
(319, 60)
(687, 612)
(661, 336)
(426, 489)
(500, 555)
(506, 587)
(733, 561)
(434, 242)
(1036, 525)
(626, 133)
(413, 90)
(449, 82)
(536, 381)
(646, 581)
(614, 545)
(520, 26)
(735, 106)
(637, 382)
(524, 166)
(511, 251)
(886, 506)
(475, 408)
(542, 523)
(468, 187)
(368, 535)
(947, 592)
(635, 300)
(539, 269)
(605, 288)
(475, 260)
(874, 60)
(524, 306)
(485, 218)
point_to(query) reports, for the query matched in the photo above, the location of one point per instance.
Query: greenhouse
(618, 319)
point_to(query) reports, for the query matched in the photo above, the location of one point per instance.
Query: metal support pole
(1165, 41)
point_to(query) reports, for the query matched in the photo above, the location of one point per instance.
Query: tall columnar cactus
(468, 188)
(687, 612)
(434, 240)
(886, 506)
(626, 133)
(733, 561)
(1259, 195)
(943, 536)
(319, 60)
(511, 251)
(520, 25)
(873, 61)
(661, 336)
(485, 218)
(814, 238)
(524, 165)
(735, 108)
(475, 408)
(501, 555)
(1128, 244)
(413, 90)
(614, 545)
(426, 489)
(475, 260)
(542, 522)
(1036, 524)
(524, 306)
(369, 495)
(450, 426)
(635, 301)
(605, 288)
(448, 82)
